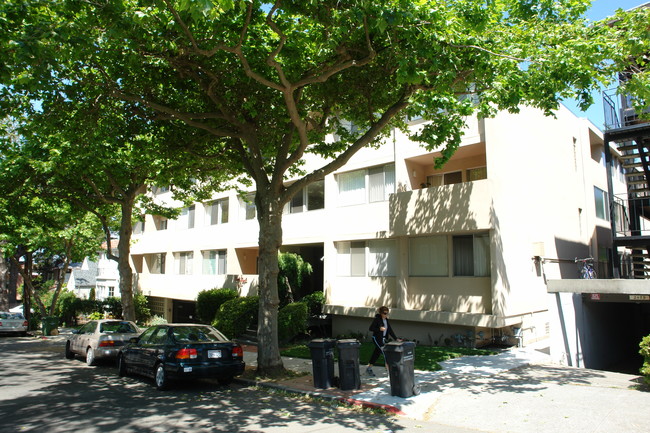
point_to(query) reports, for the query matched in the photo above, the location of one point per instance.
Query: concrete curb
(321, 395)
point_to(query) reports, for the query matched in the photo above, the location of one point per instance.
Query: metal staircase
(630, 212)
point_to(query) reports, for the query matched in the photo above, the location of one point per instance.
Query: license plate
(214, 354)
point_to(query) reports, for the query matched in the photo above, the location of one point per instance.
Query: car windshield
(197, 334)
(117, 327)
(5, 315)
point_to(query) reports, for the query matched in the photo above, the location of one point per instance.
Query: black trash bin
(322, 360)
(349, 364)
(400, 357)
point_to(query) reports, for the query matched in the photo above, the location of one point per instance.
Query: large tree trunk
(269, 216)
(123, 265)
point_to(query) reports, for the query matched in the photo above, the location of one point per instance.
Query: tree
(268, 83)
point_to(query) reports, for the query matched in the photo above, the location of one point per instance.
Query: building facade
(460, 254)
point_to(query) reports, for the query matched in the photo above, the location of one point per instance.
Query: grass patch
(427, 358)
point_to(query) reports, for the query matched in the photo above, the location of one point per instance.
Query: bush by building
(292, 321)
(237, 315)
(209, 301)
(645, 352)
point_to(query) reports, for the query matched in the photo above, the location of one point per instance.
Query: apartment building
(460, 254)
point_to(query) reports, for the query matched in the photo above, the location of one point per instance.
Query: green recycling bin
(48, 324)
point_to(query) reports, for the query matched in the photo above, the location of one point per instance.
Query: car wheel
(69, 354)
(121, 366)
(225, 380)
(160, 376)
(90, 356)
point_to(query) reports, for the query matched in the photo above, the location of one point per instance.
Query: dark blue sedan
(171, 351)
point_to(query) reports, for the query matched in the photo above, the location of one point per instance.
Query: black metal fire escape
(630, 215)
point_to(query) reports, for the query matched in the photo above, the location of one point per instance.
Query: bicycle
(587, 271)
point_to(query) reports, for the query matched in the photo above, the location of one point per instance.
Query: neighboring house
(83, 278)
(108, 277)
(458, 254)
(102, 275)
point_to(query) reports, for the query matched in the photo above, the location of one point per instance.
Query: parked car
(172, 351)
(100, 339)
(12, 323)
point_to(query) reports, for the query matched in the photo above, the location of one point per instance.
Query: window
(602, 208)
(214, 262)
(428, 256)
(160, 222)
(471, 255)
(184, 263)
(310, 198)
(157, 263)
(351, 259)
(367, 185)
(138, 227)
(248, 206)
(382, 258)
(187, 218)
(478, 173)
(216, 212)
(111, 291)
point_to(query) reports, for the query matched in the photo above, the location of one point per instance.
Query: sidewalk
(515, 391)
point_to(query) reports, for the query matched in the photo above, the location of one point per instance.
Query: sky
(601, 9)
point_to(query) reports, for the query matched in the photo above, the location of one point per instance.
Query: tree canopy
(260, 85)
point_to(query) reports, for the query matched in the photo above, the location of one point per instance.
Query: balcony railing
(631, 216)
(619, 110)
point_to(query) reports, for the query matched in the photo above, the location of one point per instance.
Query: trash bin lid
(348, 342)
(399, 346)
(321, 342)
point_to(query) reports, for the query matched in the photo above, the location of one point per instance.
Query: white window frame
(302, 202)
(474, 263)
(183, 262)
(217, 212)
(429, 256)
(214, 262)
(601, 203)
(371, 258)
(367, 185)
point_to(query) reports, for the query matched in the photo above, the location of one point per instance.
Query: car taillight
(106, 343)
(25, 323)
(186, 354)
(237, 352)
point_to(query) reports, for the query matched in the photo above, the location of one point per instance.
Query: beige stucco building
(461, 255)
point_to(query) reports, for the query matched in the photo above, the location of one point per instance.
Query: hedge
(209, 301)
(237, 315)
(292, 320)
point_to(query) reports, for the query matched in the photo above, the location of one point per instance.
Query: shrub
(293, 271)
(292, 320)
(314, 303)
(157, 320)
(95, 315)
(113, 306)
(66, 308)
(237, 315)
(142, 310)
(645, 352)
(209, 301)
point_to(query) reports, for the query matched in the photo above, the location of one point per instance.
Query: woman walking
(381, 329)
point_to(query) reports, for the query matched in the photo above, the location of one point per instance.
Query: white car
(12, 323)
(100, 339)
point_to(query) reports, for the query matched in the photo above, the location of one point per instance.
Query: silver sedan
(12, 323)
(100, 339)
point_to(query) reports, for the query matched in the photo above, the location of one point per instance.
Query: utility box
(349, 377)
(400, 357)
(322, 360)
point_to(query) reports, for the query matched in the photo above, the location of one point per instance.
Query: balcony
(450, 208)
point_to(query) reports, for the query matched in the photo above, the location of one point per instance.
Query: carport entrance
(184, 311)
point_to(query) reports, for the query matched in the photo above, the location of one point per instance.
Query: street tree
(267, 83)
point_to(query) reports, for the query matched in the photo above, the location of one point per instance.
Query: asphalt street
(41, 391)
